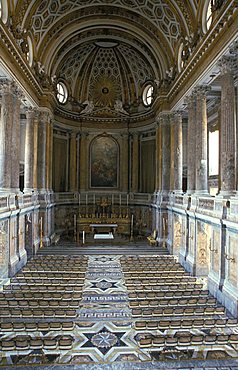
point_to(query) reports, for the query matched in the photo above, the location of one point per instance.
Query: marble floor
(104, 334)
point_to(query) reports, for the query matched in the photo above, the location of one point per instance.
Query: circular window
(148, 95)
(29, 55)
(180, 59)
(3, 11)
(62, 93)
(207, 16)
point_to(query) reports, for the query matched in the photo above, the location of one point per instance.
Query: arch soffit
(132, 15)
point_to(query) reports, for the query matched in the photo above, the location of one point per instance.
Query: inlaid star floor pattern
(104, 328)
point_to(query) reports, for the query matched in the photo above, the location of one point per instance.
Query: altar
(103, 220)
(104, 228)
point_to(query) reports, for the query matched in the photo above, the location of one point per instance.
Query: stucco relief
(203, 236)
(215, 256)
(177, 233)
(232, 256)
(191, 239)
(3, 242)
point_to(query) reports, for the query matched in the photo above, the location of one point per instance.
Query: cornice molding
(206, 48)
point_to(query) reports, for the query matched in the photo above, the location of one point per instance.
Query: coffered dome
(105, 52)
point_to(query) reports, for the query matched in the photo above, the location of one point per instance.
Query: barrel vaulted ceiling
(112, 46)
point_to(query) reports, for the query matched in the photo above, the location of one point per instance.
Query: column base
(189, 192)
(13, 266)
(189, 264)
(28, 191)
(227, 194)
(229, 298)
(201, 193)
(178, 192)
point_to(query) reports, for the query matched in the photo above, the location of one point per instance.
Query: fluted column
(29, 150)
(201, 140)
(165, 133)
(227, 127)
(177, 149)
(41, 152)
(135, 163)
(83, 161)
(191, 144)
(73, 163)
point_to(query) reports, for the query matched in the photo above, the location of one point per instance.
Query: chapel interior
(118, 184)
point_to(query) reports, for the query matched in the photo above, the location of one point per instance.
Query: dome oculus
(148, 95)
(62, 93)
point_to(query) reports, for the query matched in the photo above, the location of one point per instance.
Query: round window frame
(66, 92)
(30, 52)
(180, 61)
(145, 96)
(205, 26)
(4, 11)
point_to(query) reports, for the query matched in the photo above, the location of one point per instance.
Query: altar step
(128, 248)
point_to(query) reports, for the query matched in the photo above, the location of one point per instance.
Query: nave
(138, 309)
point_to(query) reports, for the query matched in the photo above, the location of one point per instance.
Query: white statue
(89, 107)
(119, 108)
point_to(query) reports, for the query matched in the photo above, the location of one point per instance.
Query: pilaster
(73, 163)
(83, 161)
(135, 163)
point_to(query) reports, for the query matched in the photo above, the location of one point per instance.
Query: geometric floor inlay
(104, 330)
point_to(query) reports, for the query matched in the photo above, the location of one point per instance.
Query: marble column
(15, 151)
(41, 152)
(227, 127)
(29, 150)
(5, 134)
(201, 140)
(48, 160)
(35, 145)
(124, 162)
(177, 152)
(9, 136)
(73, 163)
(47, 157)
(191, 144)
(165, 133)
(158, 157)
(83, 161)
(51, 157)
(135, 163)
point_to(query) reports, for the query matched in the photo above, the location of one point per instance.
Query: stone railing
(92, 198)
